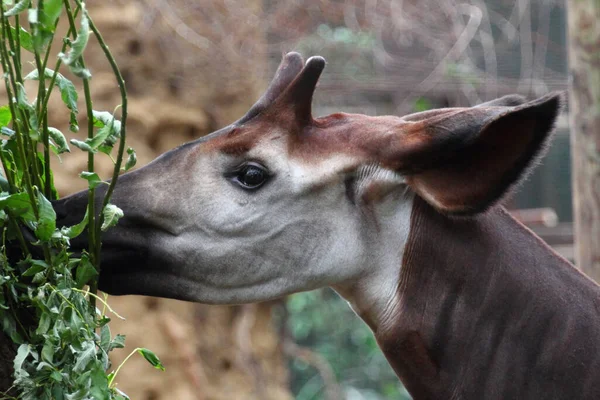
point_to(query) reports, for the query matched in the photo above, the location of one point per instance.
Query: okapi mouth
(125, 256)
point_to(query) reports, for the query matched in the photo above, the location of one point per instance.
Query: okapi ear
(475, 155)
(511, 100)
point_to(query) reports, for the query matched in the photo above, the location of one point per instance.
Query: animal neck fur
(483, 308)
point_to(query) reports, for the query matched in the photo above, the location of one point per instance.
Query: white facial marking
(373, 294)
(297, 232)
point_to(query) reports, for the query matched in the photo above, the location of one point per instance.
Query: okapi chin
(400, 215)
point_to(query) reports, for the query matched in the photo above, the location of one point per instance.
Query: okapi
(399, 215)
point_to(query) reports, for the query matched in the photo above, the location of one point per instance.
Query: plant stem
(121, 151)
(88, 293)
(18, 134)
(20, 237)
(15, 53)
(18, 39)
(112, 378)
(26, 117)
(42, 115)
(123, 137)
(44, 123)
(5, 62)
(90, 167)
(57, 67)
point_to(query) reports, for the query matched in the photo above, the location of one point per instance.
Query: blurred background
(193, 66)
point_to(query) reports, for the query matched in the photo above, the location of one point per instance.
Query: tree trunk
(584, 108)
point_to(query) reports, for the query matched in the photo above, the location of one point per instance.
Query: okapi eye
(251, 176)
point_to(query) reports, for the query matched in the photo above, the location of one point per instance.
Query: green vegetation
(341, 43)
(322, 321)
(48, 295)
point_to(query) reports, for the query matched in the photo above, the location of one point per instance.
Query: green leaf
(48, 351)
(47, 218)
(24, 38)
(42, 166)
(9, 325)
(33, 121)
(22, 354)
(92, 178)
(68, 93)
(109, 132)
(103, 321)
(121, 396)
(102, 118)
(7, 131)
(18, 204)
(100, 137)
(39, 277)
(111, 214)
(5, 187)
(151, 358)
(59, 139)
(117, 343)
(44, 325)
(83, 146)
(99, 389)
(38, 266)
(85, 272)
(51, 12)
(131, 160)
(76, 230)
(85, 356)
(22, 101)
(5, 116)
(73, 123)
(56, 376)
(80, 72)
(105, 338)
(78, 46)
(18, 8)
(32, 16)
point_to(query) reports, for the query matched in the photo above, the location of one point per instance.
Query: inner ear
(494, 158)
(371, 183)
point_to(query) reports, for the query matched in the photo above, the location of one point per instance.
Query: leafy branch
(63, 340)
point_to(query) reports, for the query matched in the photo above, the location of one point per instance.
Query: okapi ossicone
(399, 215)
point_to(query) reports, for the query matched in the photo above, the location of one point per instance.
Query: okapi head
(280, 202)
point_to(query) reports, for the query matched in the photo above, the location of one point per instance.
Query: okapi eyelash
(245, 164)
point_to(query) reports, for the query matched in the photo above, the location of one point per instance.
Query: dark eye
(251, 176)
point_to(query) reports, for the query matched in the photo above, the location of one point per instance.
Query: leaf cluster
(63, 340)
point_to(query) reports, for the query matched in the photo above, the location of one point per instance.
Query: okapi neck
(476, 299)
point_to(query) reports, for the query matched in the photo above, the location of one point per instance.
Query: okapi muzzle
(399, 215)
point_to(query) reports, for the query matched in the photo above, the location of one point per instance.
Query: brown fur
(486, 310)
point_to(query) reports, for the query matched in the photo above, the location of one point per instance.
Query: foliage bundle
(47, 293)
(322, 321)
